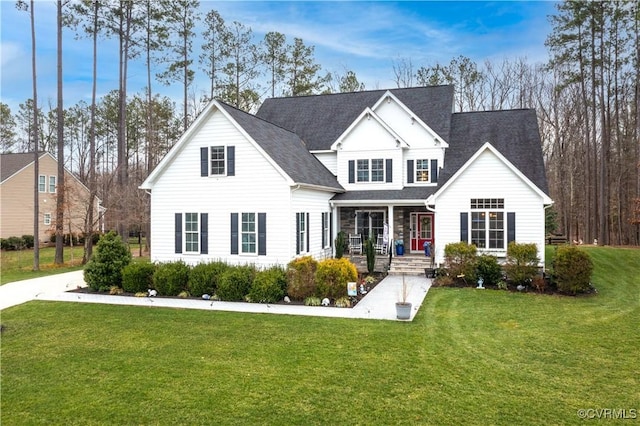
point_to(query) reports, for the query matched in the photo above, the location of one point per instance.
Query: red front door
(421, 231)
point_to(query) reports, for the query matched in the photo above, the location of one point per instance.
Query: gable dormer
(406, 123)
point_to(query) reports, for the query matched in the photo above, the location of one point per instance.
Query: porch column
(335, 226)
(390, 223)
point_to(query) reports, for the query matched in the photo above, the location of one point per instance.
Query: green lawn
(469, 357)
(18, 265)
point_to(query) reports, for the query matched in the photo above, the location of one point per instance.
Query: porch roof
(408, 195)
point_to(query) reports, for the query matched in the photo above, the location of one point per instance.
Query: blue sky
(366, 37)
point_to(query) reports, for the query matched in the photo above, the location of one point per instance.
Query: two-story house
(268, 187)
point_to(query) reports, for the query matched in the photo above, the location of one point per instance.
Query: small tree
(104, 270)
(522, 262)
(572, 270)
(370, 251)
(341, 244)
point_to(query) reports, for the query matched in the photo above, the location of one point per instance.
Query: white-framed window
(422, 171)
(326, 230)
(52, 184)
(370, 223)
(249, 234)
(370, 170)
(47, 219)
(488, 223)
(302, 236)
(191, 233)
(218, 161)
(42, 183)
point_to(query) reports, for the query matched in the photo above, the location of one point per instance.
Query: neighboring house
(264, 189)
(17, 197)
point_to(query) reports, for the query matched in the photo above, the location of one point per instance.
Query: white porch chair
(355, 244)
(381, 247)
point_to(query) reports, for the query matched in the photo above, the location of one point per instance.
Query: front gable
(368, 133)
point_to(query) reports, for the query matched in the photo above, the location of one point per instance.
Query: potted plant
(403, 308)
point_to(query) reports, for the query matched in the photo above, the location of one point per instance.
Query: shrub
(312, 301)
(442, 281)
(235, 283)
(28, 241)
(301, 282)
(522, 262)
(572, 270)
(460, 259)
(269, 285)
(204, 277)
(171, 278)
(370, 251)
(489, 269)
(138, 276)
(332, 276)
(341, 244)
(343, 302)
(104, 269)
(14, 243)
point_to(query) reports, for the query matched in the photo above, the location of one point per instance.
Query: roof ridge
(494, 110)
(261, 119)
(390, 89)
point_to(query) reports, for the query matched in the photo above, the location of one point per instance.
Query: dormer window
(375, 170)
(422, 170)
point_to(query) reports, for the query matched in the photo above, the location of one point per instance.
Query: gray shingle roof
(407, 193)
(286, 149)
(12, 163)
(514, 133)
(320, 119)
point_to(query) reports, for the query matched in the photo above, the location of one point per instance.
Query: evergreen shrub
(572, 270)
(269, 286)
(460, 260)
(138, 276)
(301, 282)
(104, 269)
(332, 276)
(522, 262)
(235, 282)
(171, 278)
(204, 277)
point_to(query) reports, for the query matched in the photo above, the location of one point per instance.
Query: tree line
(587, 98)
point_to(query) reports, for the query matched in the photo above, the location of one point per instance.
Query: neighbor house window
(52, 184)
(42, 183)
(217, 160)
(47, 218)
(191, 233)
(249, 234)
(488, 223)
(422, 170)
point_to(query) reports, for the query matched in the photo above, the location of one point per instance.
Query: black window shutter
(298, 233)
(231, 160)
(234, 233)
(511, 227)
(434, 171)
(178, 230)
(308, 229)
(389, 170)
(262, 234)
(409, 171)
(204, 233)
(352, 171)
(322, 222)
(204, 161)
(464, 226)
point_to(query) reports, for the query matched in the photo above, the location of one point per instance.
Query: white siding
(315, 203)
(256, 187)
(488, 177)
(412, 132)
(329, 160)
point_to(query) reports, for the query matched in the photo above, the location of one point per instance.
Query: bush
(312, 301)
(460, 260)
(28, 241)
(171, 278)
(204, 277)
(138, 276)
(235, 283)
(522, 262)
(341, 244)
(104, 269)
(572, 270)
(332, 276)
(370, 251)
(301, 281)
(269, 285)
(489, 269)
(14, 243)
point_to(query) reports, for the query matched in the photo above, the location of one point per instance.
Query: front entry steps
(410, 264)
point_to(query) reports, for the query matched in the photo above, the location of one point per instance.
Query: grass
(18, 265)
(469, 357)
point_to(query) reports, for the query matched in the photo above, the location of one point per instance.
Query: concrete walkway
(379, 303)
